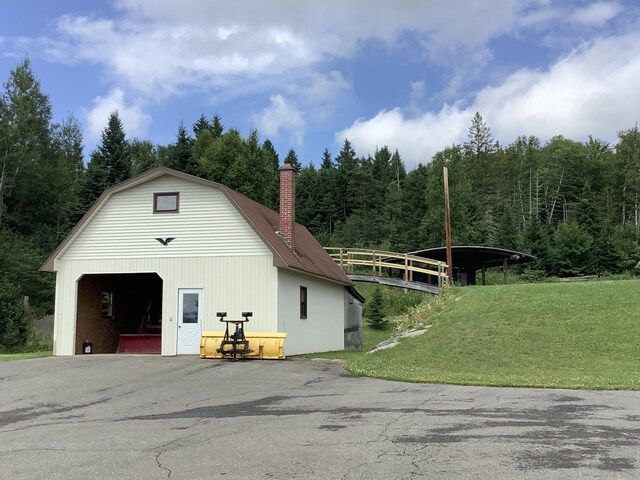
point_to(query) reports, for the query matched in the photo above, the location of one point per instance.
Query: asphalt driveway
(149, 417)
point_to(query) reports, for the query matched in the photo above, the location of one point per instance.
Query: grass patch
(6, 357)
(562, 335)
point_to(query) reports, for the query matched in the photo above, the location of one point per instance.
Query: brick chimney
(288, 204)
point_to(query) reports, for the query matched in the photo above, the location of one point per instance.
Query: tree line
(575, 205)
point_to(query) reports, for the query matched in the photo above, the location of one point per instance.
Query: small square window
(166, 202)
(107, 304)
(303, 302)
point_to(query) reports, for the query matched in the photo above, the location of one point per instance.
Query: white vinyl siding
(323, 328)
(126, 227)
(231, 284)
(214, 248)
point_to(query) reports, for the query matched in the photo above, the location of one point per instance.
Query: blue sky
(407, 74)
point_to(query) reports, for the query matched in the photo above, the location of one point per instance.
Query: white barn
(161, 253)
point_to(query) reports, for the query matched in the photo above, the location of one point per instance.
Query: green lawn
(5, 357)
(562, 335)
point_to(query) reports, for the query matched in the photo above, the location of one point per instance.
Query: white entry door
(190, 314)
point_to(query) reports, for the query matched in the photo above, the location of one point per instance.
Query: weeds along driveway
(114, 417)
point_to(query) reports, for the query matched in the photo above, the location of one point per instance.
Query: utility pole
(447, 223)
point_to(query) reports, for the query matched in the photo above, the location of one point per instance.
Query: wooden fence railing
(348, 258)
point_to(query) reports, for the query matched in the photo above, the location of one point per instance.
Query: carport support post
(505, 271)
(484, 273)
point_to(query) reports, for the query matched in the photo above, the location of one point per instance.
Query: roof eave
(321, 277)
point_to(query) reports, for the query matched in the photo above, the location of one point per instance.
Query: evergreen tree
(480, 142)
(571, 251)
(114, 150)
(346, 164)
(69, 165)
(202, 126)
(375, 312)
(110, 163)
(96, 180)
(217, 129)
(412, 235)
(271, 159)
(292, 158)
(27, 181)
(308, 197)
(398, 169)
(365, 224)
(381, 166)
(179, 156)
(327, 162)
(537, 243)
(328, 202)
(481, 163)
(507, 235)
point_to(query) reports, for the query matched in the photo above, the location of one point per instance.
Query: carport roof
(307, 257)
(474, 257)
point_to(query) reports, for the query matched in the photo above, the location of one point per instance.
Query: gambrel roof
(308, 257)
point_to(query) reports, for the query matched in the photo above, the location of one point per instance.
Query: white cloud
(594, 14)
(152, 50)
(160, 47)
(593, 91)
(597, 13)
(134, 120)
(325, 87)
(417, 139)
(279, 116)
(311, 98)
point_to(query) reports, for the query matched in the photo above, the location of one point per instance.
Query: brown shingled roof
(309, 256)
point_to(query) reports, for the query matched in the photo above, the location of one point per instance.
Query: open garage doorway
(119, 313)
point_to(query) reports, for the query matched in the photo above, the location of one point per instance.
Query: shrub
(13, 325)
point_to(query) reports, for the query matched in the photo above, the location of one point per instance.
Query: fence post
(406, 268)
(373, 258)
(440, 275)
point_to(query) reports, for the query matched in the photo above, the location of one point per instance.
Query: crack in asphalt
(163, 468)
(560, 441)
(175, 444)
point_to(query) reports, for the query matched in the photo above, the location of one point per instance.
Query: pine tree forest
(575, 205)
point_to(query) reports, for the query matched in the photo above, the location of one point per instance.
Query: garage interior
(119, 313)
